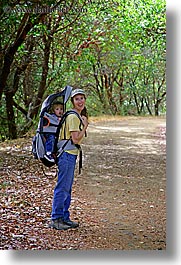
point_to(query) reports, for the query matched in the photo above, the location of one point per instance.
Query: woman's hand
(85, 122)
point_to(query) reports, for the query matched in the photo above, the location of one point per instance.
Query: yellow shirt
(71, 124)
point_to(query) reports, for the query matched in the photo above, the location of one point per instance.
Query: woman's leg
(62, 191)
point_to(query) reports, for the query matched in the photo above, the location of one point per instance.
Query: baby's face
(58, 110)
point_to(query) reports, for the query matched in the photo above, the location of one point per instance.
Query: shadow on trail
(119, 198)
(125, 173)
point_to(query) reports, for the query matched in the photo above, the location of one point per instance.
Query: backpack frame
(48, 124)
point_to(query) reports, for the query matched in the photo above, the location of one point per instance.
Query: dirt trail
(125, 179)
(119, 198)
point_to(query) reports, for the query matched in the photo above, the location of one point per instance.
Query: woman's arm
(78, 135)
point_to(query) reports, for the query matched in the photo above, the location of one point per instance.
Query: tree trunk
(25, 26)
(42, 86)
(10, 116)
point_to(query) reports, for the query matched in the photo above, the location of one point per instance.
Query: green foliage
(115, 50)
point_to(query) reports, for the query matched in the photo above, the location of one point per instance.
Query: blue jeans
(63, 188)
(50, 141)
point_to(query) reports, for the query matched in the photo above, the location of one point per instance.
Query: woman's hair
(84, 112)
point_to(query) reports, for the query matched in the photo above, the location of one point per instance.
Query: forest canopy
(115, 50)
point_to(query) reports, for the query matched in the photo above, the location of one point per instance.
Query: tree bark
(25, 26)
(10, 116)
(42, 86)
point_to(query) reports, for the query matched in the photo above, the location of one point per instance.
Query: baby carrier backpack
(49, 124)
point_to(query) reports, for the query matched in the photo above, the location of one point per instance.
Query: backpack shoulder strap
(65, 116)
(68, 113)
(63, 119)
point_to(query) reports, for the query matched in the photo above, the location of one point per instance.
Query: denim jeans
(63, 188)
(50, 141)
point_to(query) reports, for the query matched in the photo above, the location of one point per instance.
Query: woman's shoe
(71, 223)
(59, 224)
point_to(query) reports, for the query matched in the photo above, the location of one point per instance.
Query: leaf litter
(119, 198)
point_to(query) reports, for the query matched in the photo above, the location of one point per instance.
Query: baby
(50, 137)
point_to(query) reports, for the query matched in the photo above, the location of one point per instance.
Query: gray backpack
(48, 124)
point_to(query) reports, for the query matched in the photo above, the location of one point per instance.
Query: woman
(75, 130)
